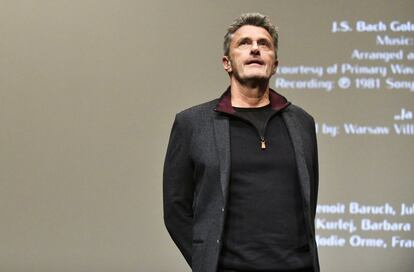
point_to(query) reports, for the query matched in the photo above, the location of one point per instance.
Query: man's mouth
(254, 61)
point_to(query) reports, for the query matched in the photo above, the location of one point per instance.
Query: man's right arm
(178, 187)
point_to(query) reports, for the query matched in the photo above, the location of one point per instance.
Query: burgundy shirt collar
(277, 102)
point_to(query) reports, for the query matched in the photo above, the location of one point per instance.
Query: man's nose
(255, 48)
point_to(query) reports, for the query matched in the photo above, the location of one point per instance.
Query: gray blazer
(196, 180)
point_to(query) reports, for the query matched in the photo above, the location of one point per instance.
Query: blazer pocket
(197, 255)
(198, 241)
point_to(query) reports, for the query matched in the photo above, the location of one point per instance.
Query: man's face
(251, 56)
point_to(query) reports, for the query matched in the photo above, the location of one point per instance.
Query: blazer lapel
(222, 139)
(295, 135)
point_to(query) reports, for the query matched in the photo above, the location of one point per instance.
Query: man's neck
(249, 95)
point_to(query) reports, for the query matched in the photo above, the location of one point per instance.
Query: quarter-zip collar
(277, 102)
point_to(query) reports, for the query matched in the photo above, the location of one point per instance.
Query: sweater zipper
(262, 138)
(262, 142)
(262, 133)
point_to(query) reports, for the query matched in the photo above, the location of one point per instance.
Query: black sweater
(265, 228)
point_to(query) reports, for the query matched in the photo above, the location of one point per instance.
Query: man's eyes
(243, 42)
(261, 43)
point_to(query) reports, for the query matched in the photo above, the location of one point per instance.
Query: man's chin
(252, 78)
(254, 81)
(257, 77)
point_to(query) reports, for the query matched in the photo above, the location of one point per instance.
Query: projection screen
(89, 90)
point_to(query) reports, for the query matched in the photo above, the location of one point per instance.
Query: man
(241, 171)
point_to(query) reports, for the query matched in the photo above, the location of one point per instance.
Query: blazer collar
(277, 102)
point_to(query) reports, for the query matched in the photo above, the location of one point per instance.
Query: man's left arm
(178, 187)
(315, 168)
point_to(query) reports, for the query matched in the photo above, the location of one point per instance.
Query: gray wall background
(88, 93)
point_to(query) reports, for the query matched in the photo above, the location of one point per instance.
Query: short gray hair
(254, 19)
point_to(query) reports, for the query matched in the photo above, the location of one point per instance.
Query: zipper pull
(263, 143)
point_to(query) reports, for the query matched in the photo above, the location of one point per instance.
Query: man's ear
(275, 67)
(226, 64)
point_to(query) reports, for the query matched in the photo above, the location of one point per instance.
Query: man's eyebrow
(248, 38)
(264, 40)
(242, 39)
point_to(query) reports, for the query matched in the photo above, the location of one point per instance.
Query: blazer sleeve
(178, 187)
(315, 169)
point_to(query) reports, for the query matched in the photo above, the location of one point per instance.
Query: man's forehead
(252, 32)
